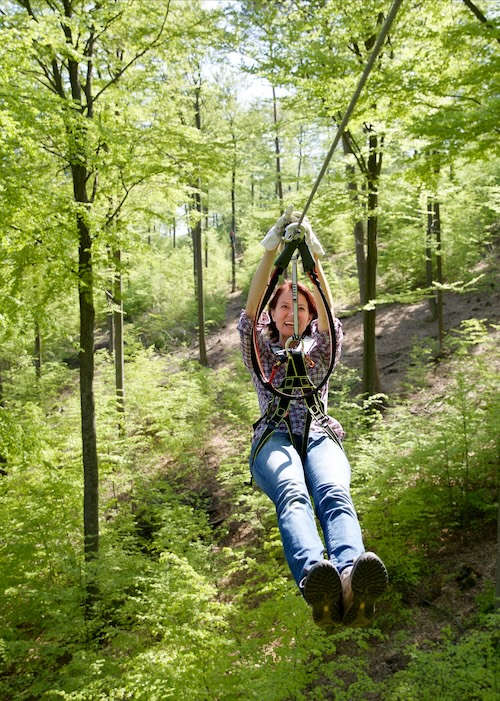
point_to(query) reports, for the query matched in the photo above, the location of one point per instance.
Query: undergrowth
(188, 609)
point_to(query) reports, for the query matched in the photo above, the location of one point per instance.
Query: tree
(79, 55)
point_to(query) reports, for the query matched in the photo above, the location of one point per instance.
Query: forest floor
(460, 571)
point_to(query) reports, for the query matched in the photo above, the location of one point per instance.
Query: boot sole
(369, 580)
(323, 591)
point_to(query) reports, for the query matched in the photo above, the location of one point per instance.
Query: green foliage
(178, 614)
(467, 667)
(193, 599)
(420, 474)
(159, 293)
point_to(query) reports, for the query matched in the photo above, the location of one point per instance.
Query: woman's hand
(275, 234)
(293, 231)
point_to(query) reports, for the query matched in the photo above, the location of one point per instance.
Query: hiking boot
(362, 583)
(322, 590)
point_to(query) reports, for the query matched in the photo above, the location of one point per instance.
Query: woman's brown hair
(285, 287)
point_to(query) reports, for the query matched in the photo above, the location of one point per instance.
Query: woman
(344, 586)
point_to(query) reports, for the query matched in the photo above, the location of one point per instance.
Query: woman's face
(282, 315)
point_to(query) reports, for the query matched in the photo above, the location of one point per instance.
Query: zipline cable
(307, 259)
(376, 49)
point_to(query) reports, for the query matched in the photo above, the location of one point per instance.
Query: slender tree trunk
(279, 184)
(80, 177)
(205, 211)
(110, 321)
(301, 155)
(118, 336)
(199, 280)
(87, 403)
(232, 235)
(109, 306)
(429, 274)
(205, 228)
(196, 233)
(359, 229)
(439, 274)
(173, 233)
(193, 236)
(371, 382)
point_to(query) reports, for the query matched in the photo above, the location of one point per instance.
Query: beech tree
(79, 56)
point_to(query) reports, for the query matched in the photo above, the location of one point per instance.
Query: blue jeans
(277, 469)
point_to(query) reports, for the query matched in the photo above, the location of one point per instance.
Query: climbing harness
(297, 384)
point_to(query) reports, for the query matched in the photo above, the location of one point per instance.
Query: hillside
(432, 621)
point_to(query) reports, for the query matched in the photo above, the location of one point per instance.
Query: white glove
(293, 231)
(275, 233)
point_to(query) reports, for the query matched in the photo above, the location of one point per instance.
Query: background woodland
(145, 149)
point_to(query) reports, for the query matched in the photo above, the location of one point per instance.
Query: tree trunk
(429, 274)
(87, 317)
(199, 278)
(118, 336)
(80, 176)
(359, 229)
(232, 235)
(108, 293)
(371, 382)
(205, 237)
(439, 274)
(196, 234)
(110, 321)
(173, 233)
(299, 165)
(279, 184)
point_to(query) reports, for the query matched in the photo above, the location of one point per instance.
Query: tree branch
(40, 80)
(47, 74)
(27, 6)
(479, 15)
(56, 72)
(110, 218)
(136, 57)
(380, 154)
(54, 153)
(94, 187)
(475, 11)
(355, 150)
(104, 29)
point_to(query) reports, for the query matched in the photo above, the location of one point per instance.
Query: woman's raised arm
(322, 317)
(259, 282)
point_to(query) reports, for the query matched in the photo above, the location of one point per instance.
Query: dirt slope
(399, 328)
